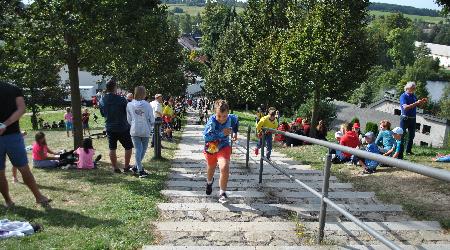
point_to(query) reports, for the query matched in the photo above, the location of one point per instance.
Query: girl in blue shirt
(386, 138)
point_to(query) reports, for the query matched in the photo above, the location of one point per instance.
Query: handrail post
(261, 161)
(157, 142)
(247, 156)
(323, 205)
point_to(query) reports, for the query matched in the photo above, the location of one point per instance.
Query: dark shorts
(123, 137)
(85, 125)
(13, 146)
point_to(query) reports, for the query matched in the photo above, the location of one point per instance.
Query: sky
(428, 4)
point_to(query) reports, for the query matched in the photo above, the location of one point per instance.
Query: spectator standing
(408, 106)
(130, 97)
(114, 108)
(140, 117)
(85, 121)
(68, 118)
(12, 143)
(157, 112)
(268, 121)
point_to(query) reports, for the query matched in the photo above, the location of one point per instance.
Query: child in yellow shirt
(268, 121)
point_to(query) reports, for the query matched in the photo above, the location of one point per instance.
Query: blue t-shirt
(114, 108)
(386, 138)
(408, 99)
(372, 148)
(214, 130)
(398, 146)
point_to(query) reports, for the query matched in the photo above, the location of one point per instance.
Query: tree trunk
(72, 63)
(34, 117)
(315, 112)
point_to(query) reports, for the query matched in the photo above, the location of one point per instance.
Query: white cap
(369, 134)
(398, 131)
(338, 134)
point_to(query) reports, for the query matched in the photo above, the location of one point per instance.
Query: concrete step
(291, 226)
(233, 170)
(272, 207)
(254, 184)
(284, 194)
(250, 177)
(313, 247)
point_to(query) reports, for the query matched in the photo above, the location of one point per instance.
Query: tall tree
(186, 24)
(326, 53)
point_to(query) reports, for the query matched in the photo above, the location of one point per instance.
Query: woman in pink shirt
(41, 151)
(86, 155)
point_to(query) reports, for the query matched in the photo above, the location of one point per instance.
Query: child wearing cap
(397, 133)
(370, 165)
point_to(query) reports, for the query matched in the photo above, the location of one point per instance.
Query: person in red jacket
(350, 139)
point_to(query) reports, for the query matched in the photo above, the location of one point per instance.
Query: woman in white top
(140, 117)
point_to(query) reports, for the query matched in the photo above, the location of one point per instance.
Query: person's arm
(260, 124)
(102, 108)
(151, 117)
(389, 152)
(407, 107)
(129, 116)
(20, 103)
(379, 139)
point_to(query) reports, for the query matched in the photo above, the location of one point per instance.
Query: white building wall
(438, 132)
(85, 78)
(444, 61)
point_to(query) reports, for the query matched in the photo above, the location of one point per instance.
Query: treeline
(203, 2)
(403, 9)
(434, 33)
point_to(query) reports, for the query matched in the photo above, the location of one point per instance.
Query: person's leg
(403, 125)
(29, 180)
(113, 159)
(269, 146)
(112, 143)
(14, 174)
(411, 134)
(4, 189)
(224, 166)
(127, 143)
(145, 141)
(137, 142)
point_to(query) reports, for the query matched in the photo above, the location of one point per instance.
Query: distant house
(430, 130)
(188, 42)
(442, 52)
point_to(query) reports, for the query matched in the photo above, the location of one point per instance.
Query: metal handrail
(409, 166)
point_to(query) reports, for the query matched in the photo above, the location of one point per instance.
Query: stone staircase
(277, 214)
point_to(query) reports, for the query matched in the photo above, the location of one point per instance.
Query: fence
(439, 174)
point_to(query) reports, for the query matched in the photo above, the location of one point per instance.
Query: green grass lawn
(91, 209)
(428, 19)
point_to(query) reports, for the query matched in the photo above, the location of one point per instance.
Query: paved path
(277, 214)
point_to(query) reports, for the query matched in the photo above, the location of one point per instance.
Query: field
(91, 209)
(428, 19)
(194, 10)
(422, 197)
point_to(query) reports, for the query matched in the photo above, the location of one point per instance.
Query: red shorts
(224, 153)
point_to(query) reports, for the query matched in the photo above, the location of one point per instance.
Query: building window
(423, 144)
(426, 129)
(397, 112)
(418, 127)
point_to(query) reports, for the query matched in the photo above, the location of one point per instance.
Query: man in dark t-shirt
(114, 108)
(12, 145)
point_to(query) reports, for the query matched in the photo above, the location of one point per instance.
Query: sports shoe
(223, 198)
(134, 170)
(209, 187)
(256, 151)
(143, 174)
(98, 158)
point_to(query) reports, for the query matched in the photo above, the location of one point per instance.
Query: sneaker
(209, 187)
(223, 198)
(127, 169)
(98, 158)
(410, 153)
(256, 151)
(117, 171)
(143, 174)
(134, 170)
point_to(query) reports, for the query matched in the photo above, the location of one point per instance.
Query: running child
(217, 146)
(85, 121)
(268, 121)
(68, 118)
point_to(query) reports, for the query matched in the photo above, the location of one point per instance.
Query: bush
(327, 111)
(177, 10)
(373, 127)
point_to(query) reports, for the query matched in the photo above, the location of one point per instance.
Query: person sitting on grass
(397, 133)
(292, 142)
(350, 139)
(386, 138)
(442, 158)
(86, 155)
(321, 131)
(369, 166)
(41, 151)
